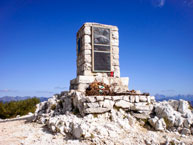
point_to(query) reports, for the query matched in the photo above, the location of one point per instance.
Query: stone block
(132, 99)
(117, 98)
(117, 74)
(85, 79)
(138, 107)
(86, 39)
(126, 98)
(90, 99)
(87, 47)
(96, 110)
(115, 35)
(123, 104)
(82, 87)
(124, 81)
(108, 104)
(99, 98)
(115, 50)
(86, 52)
(148, 99)
(116, 56)
(87, 73)
(142, 98)
(93, 105)
(87, 30)
(115, 62)
(87, 58)
(108, 97)
(115, 42)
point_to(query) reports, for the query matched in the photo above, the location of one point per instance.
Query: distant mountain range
(160, 97)
(18, 98)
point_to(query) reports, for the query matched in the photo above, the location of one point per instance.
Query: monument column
(97, 50)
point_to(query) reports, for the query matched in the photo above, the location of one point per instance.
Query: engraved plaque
(101, 36)
(101, 49)
(102, 61)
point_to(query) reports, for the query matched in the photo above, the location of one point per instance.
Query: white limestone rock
(126, 98)
(96, 110)
(185, 131)
(99, 98)
(183, 106)
(108, 104)
(123, 104)
(160, 125)
(90, 99)
(115, 98)
(142, 98)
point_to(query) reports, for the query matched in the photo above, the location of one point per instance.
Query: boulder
(183, 106)
(185, 131)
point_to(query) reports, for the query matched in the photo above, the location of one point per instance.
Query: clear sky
(38, 42)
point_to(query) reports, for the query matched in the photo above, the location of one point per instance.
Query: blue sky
(37, 43)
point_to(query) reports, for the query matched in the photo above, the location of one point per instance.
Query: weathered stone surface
(87, 30)
(143, 98)
(141, 107)
(183, 106)
(126, 98)
(108, 97)
(90, 99)
(123, 104)
(136, 99)
(132, 99)
(141, 116)
(108, 104)
(160, 125)
(85, 79)
(117, 97)
(96, 110)
(99, 98)
(185, 131)
(86, 39)
(92, 105)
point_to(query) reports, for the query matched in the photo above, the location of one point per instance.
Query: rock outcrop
(75, 115)
(173, 115)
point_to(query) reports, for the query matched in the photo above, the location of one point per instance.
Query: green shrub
(14, 108)
(53, 107)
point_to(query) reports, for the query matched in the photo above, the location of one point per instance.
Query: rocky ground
(18, 132)
(58, 121)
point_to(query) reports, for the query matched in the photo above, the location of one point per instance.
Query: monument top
(98, 50)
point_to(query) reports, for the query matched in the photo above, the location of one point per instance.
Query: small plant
(60, 103)
(190, 106)
(95, 115)
(167, 122)
(14, 108)
(75, 111)
(92, 135)
(53, 107)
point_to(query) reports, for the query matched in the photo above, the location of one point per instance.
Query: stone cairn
(74, 112)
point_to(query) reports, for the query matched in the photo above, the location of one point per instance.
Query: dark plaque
(101, 36)
(102, 61)
(102, 49)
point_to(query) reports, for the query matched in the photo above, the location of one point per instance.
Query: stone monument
(97, 50)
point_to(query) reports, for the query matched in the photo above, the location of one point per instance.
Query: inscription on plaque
(101, 49)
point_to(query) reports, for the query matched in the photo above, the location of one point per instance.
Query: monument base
(81, 83)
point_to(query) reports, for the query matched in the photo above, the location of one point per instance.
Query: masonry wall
(84, 55)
